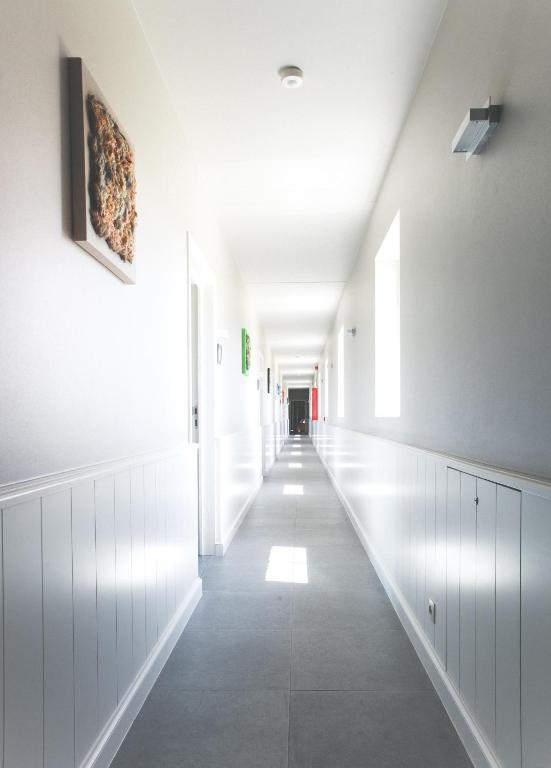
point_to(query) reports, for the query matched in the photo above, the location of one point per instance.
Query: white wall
(485, 565)
(94, 369)
(475, 267)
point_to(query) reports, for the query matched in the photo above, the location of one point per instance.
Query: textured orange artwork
(112, 181)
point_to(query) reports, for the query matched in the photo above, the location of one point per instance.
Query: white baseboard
(104, 750)
(222, 547)
(473, 741)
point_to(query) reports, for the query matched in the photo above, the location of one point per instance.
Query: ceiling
(293, 174)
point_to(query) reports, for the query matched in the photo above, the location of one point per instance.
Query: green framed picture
(245, 352)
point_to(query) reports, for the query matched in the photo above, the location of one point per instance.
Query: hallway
(294, 656)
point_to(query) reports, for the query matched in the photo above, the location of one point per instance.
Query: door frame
(200, 274)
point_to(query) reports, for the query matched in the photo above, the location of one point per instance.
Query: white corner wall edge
(468, 732)
(222, 547)
(476, 539)
(109, 741)
(238, 478)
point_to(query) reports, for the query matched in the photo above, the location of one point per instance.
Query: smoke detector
(291, 77)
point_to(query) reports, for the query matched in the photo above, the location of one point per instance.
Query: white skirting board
(467, 730)
(116, 729)
(222, 547)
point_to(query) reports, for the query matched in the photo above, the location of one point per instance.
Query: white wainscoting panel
(477, 541)
(239, 476)
(269, 440)
(273, 440)
(88, 558)
(508, 618)
(536, 632)
(59, 741)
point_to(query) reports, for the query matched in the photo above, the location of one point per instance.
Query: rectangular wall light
(476, 129)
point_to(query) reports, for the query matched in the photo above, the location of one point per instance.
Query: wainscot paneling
(269, 446)
(477, 542)
(273, 440)
(99, 578)
(239, 476)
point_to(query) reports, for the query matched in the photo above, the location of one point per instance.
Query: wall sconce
(476, 129)
(352, 331)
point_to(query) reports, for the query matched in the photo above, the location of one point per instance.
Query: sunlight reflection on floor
(293, 490)
(288, 564)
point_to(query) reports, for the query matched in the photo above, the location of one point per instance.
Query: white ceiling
(293, 174)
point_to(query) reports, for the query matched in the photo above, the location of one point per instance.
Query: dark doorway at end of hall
(299, 411)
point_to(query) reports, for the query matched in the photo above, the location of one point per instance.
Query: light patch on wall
(387, 323)
(340, 373)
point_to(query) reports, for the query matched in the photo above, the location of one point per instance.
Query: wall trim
(468, 732)
(222, 547)
(42, 485)
(108, 742)
(533, 484)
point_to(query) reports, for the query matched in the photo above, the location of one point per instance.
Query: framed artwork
(102, 175)
(268, 380)
(245, 352)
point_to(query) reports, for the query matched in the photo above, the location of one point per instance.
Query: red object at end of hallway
(314, 403)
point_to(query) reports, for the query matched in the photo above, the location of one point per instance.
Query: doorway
(299, 411)
(200, 398)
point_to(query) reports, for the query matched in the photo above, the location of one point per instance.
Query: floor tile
(256, 551)
(348, 660)
(343, 610)
(335, 576)
(337, 536)
(242, 610)
(233, 659)
(208, 729)
(268, 534)
(372, 730)
(338, 522)
(253, 577)
(263, 516)
(337, 554)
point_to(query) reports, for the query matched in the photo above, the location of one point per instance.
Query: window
(326, 390)
(340, 373)
(387, 323)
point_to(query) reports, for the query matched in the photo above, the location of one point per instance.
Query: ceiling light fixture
(291, 77)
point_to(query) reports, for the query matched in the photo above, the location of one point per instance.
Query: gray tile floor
(294, 657)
